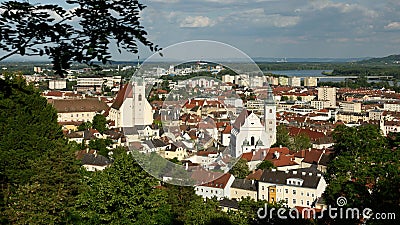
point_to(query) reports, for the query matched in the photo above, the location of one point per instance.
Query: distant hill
(391, 59)
(307, 60)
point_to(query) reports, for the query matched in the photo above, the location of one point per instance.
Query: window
(262, 188)
(252, 141)
(312, 195)
(294, 201)
(273, 199)
(263, 197)
(286, 200)
(72, 115)
(272, 190)
(140, 97)
(286, 191)
(270, 110)
(302, 202)
(302, 193)
(270, 122)
(308, 194)
(294, 192)
(308, 202)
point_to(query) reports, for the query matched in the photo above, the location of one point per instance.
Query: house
(219, 187)
(94, 162)
(172, 151)
(295, 187)
(279, 156)
(243, 188)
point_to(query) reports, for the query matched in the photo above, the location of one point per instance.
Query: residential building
(327, 94)
(310, 82)
(57, 84)
(243, 188)
(354, 107)
(391, 107)
(219, 187)
(295, 81)
(284, 81)
(295, 187)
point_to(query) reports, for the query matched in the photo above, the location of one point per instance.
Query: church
(248, 133)
(131, 107)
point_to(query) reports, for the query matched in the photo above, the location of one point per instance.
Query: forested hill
(391, 59)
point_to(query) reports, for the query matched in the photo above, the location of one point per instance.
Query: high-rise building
(327, 94)
(310, 82)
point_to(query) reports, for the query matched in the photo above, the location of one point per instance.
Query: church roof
(241, 119)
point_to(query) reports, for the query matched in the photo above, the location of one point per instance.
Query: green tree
(282, 136)
(240, 169)
(84, 126)
(28, 130)
(101, 145)
(123, 194)
(205, 213)
(266, 164)
(99, 123)
(32, 29)
(301, 141)
(50, 195)
(365, 170)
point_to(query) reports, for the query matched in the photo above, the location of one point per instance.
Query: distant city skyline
(275, 28)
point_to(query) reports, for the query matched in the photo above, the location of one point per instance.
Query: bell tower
(270, 117)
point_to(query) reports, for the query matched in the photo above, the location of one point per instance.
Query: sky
(277, 28)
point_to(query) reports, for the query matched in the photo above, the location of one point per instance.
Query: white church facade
(131, 107)
(248, 133)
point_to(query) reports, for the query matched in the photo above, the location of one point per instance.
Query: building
(243, 188)
(284, 81)
(295, 81)
(219, 187)
(57, 84)
(81, 110)
(89, 84)
(391, 107)
(310, 82)
(354, 107)
(248, 133)
(295, 187)
(131, 107)
(327, 94)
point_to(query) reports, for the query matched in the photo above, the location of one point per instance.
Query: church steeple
(270, 96)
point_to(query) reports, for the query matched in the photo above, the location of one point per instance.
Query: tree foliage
(240, 169)
(365, 170)
(51, 30)
(123, 194)
(99, 123)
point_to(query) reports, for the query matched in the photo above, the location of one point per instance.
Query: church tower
(270, 117)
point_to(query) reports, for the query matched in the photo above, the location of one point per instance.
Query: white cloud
(258, 16)
(393, 26)
(197, 21)
(343, 7)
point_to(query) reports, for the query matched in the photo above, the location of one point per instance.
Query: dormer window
(295, 181)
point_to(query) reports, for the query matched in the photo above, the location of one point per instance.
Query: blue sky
(278, 28)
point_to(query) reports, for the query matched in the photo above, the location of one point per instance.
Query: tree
(301, 141)
(50, 195)
(84, 126)
(282, 136)
(266, 164)
(28, 130)
(123, 194)
(99, 123)
(365, 170)
(40, 29)
(240, 169)
(100, 145)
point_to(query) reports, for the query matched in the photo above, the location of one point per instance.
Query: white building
(295, 81)
(284, 81)
(327, 94)
(219, 187)
(81, 110)
(391, 107)
(57, 84)
(296, 187)
(350, 107)
(248, 133)
(310, 82)
(131, 107)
